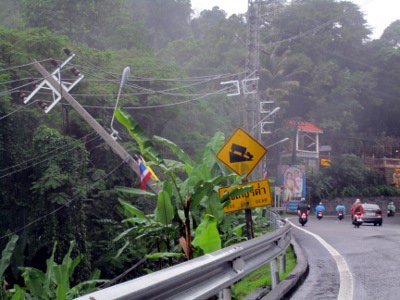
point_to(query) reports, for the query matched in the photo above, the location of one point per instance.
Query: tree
(189, 192)
(100, 24)
(55, 283)
(166, 20)
(391, 35)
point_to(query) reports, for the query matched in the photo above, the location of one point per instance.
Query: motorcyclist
(340, 207)
(356, 208)
(302, 206)
(391, 207)
(319, 207)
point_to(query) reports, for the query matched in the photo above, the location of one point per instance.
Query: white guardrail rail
(204, 276)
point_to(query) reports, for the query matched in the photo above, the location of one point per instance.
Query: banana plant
(148, 228)
(56, 282)
(6, 255)
(191, 186)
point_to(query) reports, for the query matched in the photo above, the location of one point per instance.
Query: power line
(218, 92)
(18, 88)
(138, 78)
(315, 28)
(18, 80)
(150, 91)
(165, 91)
(47, 159)
(17, 110)
(22, 66)
(46, 153)
(64, 205)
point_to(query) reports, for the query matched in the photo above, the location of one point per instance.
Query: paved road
(372, 255)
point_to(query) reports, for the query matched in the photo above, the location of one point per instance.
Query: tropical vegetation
(59, 182)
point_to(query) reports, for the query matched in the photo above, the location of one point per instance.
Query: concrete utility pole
(115, 146)
(251, 100)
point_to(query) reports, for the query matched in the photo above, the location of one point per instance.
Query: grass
(261, 277)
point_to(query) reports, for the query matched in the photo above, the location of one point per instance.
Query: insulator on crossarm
(22, 95)
(75, 71)
(34, 84)
(54, 63)
(67, 51)
(42, 104)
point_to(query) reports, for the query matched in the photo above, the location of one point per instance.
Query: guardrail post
(282, 263)
(273, 265)
(225, 294)
(272, 219)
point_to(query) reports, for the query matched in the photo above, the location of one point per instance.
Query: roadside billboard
(293, 180)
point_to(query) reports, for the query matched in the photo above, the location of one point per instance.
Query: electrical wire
(218, 92)
(314, 29)
(42, 161)
(139, 78)
(18, 88)
(166, 91)
(18, 80)
(46, 153)
(64, 205)
(24, 65)
(17, 110)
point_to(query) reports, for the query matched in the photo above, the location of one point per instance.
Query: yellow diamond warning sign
(241, 153)
(259, 196)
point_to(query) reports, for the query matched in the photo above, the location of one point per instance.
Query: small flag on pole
(144, 172)
(153, 175)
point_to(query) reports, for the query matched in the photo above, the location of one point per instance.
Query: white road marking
(346, 278)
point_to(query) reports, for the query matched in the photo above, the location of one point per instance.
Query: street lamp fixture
(278, 142)
(125, 75)
(271, 113)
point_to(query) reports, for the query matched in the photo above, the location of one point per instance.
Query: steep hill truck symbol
(238, 154)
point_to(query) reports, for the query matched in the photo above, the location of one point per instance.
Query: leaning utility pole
(57, 85)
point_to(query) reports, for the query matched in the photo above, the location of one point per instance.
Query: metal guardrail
(205, 276)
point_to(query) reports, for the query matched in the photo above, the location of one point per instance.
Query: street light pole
(278, 142)
(125, 75)
(271, 113)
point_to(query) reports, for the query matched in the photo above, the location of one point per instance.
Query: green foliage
(6, 259)
(194, 194)
(56, 282)
(261, 277)
(6, 255)
(136, 132)
(98, 24)
(207, 236)
(348, 177)
(164, 255)
(332, 75)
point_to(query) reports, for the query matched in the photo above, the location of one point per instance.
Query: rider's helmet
(320, 203)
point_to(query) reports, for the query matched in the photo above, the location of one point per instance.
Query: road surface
(371, 256)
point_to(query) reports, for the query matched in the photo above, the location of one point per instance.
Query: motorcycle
(340, 215)
(319, 215)
(303, 218)
(357, 220)
(390, 213)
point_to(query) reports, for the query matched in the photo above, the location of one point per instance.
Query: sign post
(241, 153)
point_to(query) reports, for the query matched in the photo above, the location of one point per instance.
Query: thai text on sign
(259, 196)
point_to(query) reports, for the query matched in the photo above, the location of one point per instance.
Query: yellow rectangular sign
(259, 196)
(241, 153)
(325, 162)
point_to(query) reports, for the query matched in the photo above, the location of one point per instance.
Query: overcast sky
(378, 13)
